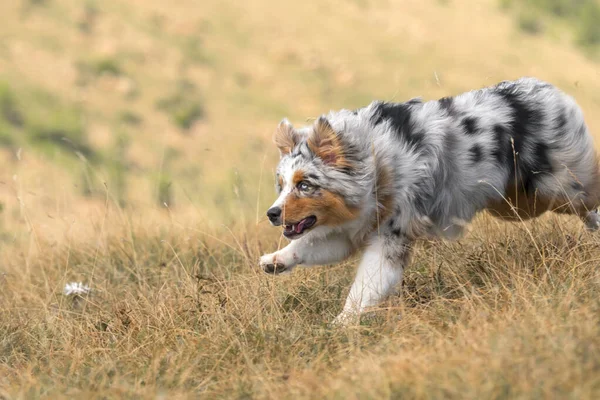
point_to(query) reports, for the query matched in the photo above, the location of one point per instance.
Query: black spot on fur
(396, 232)
(560, 124)
(476, 153)
(526, 119)
(399, 117)
(577, 186)
(539, 167)
(561, 121)
(377, 117)
(414, 101)
(312, 176)
(353, 157)
(423, 197)
(447, 103)
(470, 125)
(519, 136)
(503, 148)
(541, 160)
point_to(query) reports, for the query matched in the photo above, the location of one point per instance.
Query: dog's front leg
(380, 270)
(307, 251)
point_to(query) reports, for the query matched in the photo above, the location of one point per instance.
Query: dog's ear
(327, 144)
(286, 137)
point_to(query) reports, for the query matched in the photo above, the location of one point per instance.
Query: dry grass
(511, 311)
(177, 101)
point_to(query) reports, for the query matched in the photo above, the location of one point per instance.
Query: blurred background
(168, 108)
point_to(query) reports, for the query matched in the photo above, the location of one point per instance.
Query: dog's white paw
(273, 264)
(592, 221)
(346, 318)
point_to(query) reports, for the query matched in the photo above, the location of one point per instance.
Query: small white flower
(76, 289)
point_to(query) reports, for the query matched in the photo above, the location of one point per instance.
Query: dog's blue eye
(303, 186)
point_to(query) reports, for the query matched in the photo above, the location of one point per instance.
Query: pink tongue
(300, 226)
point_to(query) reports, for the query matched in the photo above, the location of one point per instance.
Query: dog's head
(314, 179)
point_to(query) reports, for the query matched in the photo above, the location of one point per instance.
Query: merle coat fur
(380, 177)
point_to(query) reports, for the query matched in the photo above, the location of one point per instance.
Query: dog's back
(518, 149)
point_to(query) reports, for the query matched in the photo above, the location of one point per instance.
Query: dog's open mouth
(297, 229)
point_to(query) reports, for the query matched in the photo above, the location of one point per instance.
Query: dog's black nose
(274, 213)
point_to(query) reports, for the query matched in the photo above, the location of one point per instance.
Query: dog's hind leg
(592, 217)
(585, 206)
(585, 202)
(380, 270)
(590, 201)
(592, 220)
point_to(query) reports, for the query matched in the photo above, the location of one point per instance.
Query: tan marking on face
(329, 208)
(326, 145)
(297, 177)
(280, 181)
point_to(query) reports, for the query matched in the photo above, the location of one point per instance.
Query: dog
(380, 177)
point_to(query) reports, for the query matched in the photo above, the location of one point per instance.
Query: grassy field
(135, 157)
(512, 311)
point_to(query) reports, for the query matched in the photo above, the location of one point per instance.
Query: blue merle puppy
(380, 177)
